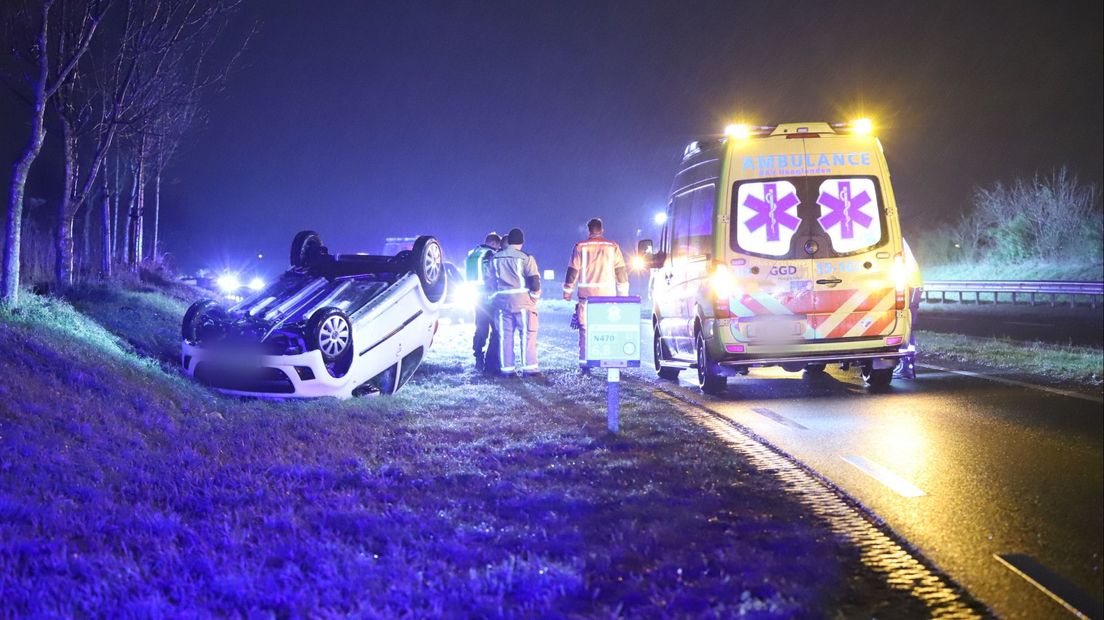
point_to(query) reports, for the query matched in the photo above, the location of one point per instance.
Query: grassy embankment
(125, 489)
(1064, 363)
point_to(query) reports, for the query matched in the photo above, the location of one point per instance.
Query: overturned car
(332, 325)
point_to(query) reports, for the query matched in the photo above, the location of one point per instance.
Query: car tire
(306, 247)
(429, 264)
(200, 315)
(330, 332)
(658, 352)
(880, 378)
(708, 381)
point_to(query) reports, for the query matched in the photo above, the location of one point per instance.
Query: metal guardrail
(1014, 290)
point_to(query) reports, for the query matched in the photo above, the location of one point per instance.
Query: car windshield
(774, 218)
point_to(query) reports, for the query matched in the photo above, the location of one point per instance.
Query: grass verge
(127, 491)
(1067, 363)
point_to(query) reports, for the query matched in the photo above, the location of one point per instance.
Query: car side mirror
(644, 247)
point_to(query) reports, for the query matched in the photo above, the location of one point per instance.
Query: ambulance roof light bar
(860, 126)
(741, 131)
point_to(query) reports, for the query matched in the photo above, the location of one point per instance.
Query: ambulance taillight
(900, 280)
(722, 283)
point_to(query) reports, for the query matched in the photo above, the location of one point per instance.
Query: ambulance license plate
(774, 329)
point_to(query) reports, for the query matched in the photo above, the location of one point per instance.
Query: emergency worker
(486, 328)
(517, 290)
(597, 269)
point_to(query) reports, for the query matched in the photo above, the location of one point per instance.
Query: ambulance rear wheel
(708, 381)
(659, 353)
(879, 378)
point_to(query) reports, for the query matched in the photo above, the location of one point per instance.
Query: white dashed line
(882, 474)
(1030, 386)
(778, 418)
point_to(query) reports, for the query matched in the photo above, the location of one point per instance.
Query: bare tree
(53, 66)
(137, 83)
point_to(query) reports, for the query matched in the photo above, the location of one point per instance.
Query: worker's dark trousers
(486, 337)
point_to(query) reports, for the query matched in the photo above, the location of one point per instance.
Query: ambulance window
(680, 227)
(664, 246)
(766, 216)
(849, 212)
(701, 219)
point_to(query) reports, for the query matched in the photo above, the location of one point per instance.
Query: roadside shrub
(1048, 218)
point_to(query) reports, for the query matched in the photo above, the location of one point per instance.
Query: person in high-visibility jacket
(485, 341)
(517, 290)
(597, 269)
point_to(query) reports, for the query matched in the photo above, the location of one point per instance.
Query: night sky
(363, 120)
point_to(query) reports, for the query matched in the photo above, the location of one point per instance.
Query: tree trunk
(124, 218)
(115, 193)
(156, 214)
(63, 226)
(85, 258)
(12, 234)
(105, 227)
(134, 256)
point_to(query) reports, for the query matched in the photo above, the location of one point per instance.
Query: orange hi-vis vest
(598, 269)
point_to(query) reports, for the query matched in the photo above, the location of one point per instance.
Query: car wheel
(658, 353)
(708, 381)
(199, 320)
(879, 378)
(429, 264)
(331, 333)
(305, 248)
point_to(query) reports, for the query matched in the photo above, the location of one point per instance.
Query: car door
(854, 284)
(771, 228)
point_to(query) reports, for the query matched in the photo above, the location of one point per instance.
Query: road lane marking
(779, 418)
(884, 475)
(1053, 585)
(1030, 324)
(902, 567)
(1031, 386)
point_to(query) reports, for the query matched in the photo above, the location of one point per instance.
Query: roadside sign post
(613, 343)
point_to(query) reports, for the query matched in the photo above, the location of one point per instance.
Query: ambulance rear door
(853, 279)
(769, 226)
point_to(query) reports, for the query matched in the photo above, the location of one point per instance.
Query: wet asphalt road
(961, 467)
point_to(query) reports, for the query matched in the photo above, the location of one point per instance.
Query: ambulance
(781, 247)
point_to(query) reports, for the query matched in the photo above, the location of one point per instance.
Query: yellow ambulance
(781, 247)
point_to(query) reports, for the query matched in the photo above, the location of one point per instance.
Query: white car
(332, 325)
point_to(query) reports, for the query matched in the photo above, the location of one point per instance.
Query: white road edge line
(884, 475)
(1030, 386)
(1056, 587)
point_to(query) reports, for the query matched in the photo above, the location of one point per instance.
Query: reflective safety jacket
(515, 279)
(475, 266)
(598, 268)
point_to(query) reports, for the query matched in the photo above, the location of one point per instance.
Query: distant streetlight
(660, 218)
(259, 256)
